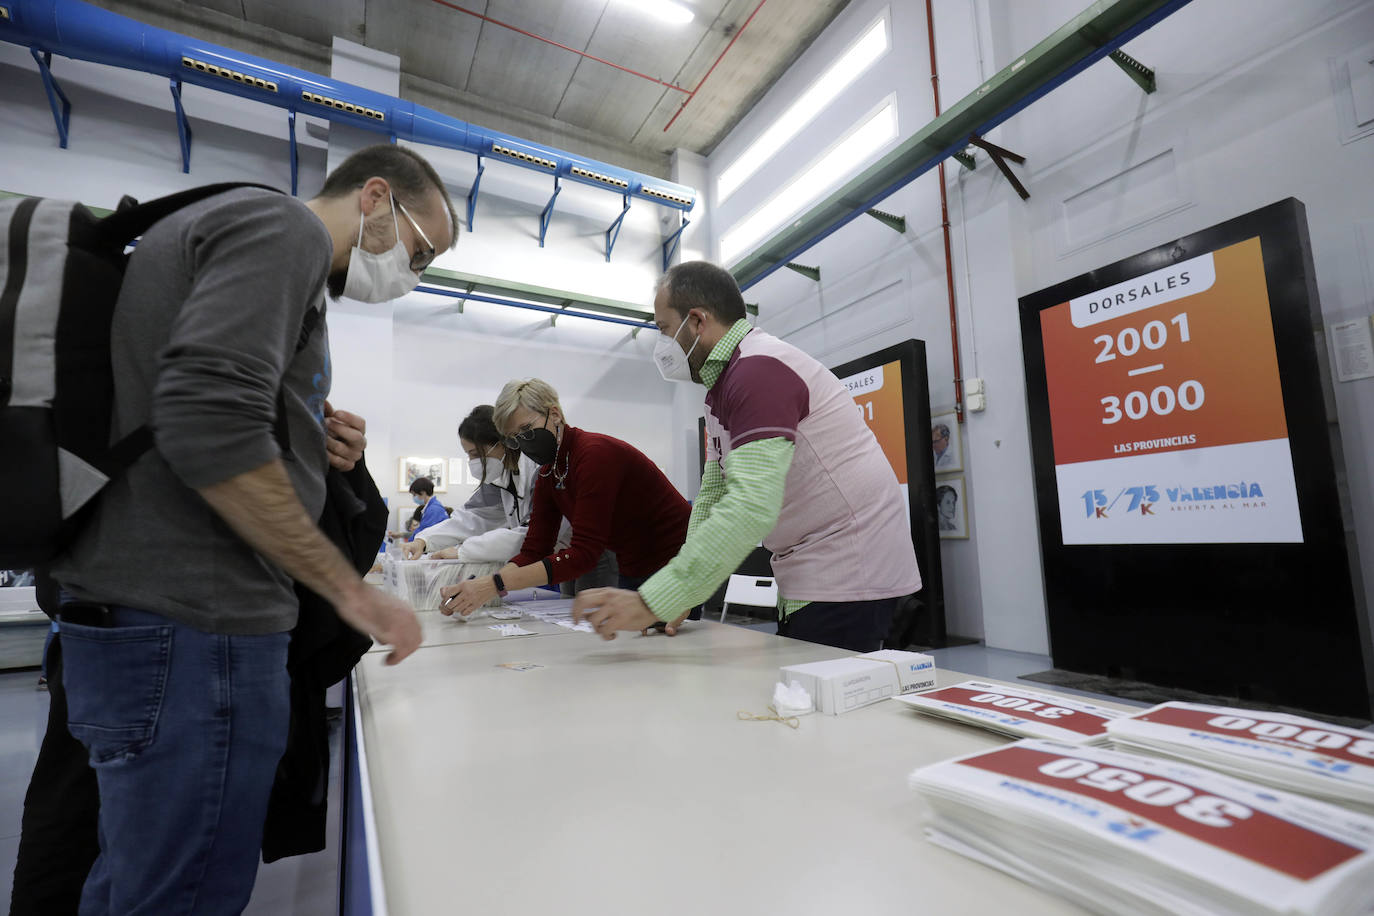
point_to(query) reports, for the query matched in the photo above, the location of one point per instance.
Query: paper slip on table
(617, 778)
(439, 630)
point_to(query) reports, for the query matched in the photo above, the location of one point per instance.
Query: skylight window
(860, 146)
(870, 46)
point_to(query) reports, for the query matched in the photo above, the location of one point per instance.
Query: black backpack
(61, 267)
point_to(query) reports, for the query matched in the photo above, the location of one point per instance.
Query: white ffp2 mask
(486, 470)
(671, 361)
(379, 277)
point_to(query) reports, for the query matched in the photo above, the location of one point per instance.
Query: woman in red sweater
(614, 497)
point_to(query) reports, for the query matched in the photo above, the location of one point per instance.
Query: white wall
(1247, 112)
(415, 367)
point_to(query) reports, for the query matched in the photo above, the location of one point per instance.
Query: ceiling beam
(1079, 43)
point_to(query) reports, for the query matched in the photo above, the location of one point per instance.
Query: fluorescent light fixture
(871, 45)
(861, 145)
(670, 12)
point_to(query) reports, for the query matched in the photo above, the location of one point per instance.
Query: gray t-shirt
(205, 334)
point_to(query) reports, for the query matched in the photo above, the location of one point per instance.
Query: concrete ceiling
(469, 67)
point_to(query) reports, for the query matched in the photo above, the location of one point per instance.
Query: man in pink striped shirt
(791, 463)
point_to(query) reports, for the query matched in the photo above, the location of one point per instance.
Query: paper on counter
(1017, 712)
(1127, 834)
(510, 629)
(1291, 752)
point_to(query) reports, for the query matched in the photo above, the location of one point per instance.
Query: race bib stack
(1301, 755)
(1016, 712)
(1120, 833)
(418, 582)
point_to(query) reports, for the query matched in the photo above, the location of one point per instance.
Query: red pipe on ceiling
(599, 60)
(944, 224)
(693, 93)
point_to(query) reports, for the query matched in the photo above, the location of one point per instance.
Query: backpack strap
(281, 428)
(130, 221)
(16, 262)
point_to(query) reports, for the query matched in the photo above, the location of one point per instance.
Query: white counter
(616, 778)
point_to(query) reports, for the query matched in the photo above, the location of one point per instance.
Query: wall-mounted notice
(1353, 346)
(1166, 411)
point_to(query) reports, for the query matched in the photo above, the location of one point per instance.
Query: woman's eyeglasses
(523, 434)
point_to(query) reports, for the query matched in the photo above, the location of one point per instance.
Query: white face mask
(487, 470)
(671, 361)
(374, 277)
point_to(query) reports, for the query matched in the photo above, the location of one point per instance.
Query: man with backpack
(178, 588)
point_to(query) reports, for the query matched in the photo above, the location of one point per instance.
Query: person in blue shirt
(422, 491)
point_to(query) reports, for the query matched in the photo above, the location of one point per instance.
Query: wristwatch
(500, 584)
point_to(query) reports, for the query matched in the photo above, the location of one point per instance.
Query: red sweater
(615, 498)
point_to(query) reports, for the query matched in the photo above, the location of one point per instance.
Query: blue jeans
(184, 730)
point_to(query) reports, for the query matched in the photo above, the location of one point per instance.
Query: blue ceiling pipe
(78, 30)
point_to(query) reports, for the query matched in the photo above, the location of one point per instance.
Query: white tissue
(792, 699)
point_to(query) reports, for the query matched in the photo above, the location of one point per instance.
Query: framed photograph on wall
(948, 454)
(951, 511)
(436, 469)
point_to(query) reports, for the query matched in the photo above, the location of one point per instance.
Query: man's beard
(334, 284)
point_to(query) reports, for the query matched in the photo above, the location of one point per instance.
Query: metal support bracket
(613, 232)
(472, 194)
(61, 113)
(890, 220)
(183, 128)
(295, 162)
(670, 243)
(812, 272)
(547, 215)
(966, 159)
(999, 158)
(1144, 76)
(634, 333)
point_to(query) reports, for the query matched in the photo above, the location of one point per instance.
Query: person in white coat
(491, 526)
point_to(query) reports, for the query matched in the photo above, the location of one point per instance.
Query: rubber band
(789, 721)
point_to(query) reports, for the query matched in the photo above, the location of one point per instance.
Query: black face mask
(541, 447)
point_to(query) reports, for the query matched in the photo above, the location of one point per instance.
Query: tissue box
(915, 671)
(843, 684)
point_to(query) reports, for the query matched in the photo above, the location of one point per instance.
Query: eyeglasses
(421, 259)
(523, 434)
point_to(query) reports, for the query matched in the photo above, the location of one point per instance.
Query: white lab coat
(489, 535)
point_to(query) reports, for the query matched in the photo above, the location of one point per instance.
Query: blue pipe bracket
(548, 212)
(670, 244)
(472, 194)
(82, 31)
(184, 128)
(613, 233)
(62, 113)
(295, 161)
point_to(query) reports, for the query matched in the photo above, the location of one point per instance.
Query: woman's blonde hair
(532, 394)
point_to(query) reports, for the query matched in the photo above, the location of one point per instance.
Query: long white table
(617, 778)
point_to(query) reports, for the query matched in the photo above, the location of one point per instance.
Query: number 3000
(1161, 402)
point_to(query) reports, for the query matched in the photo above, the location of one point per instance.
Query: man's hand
(448, 553)
(388, 620)
(345, 437)
(414, 550)
(611, 609)
(465, 597)
(669, 628)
